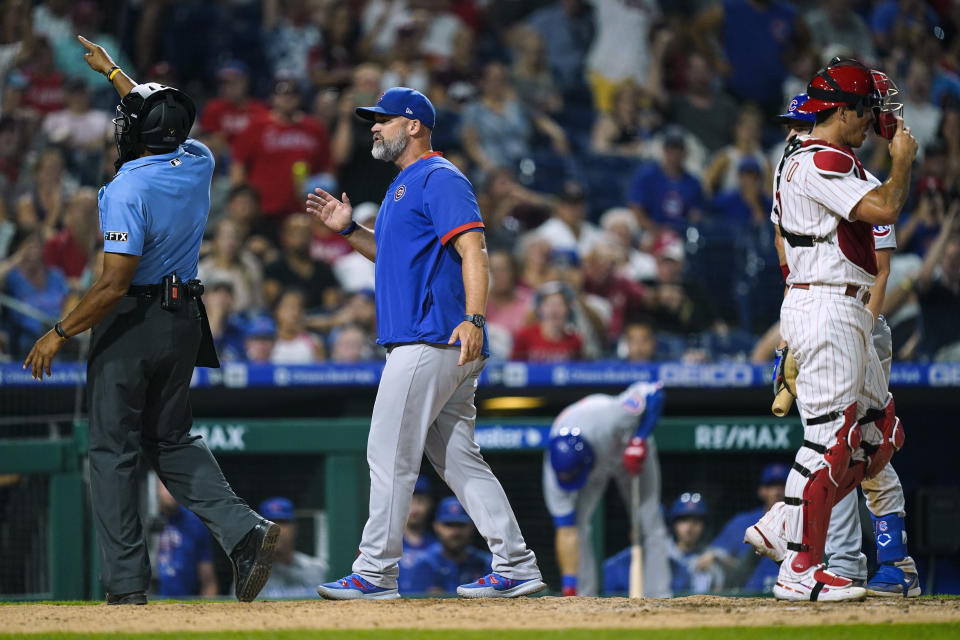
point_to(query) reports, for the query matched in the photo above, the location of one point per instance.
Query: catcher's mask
(154, 115)
(887, 112)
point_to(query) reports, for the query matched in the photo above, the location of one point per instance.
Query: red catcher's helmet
(843, 82)
(887, 113)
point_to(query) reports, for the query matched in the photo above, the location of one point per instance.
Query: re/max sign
(725, 437)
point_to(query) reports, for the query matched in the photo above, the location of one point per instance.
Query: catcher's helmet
(793, 114)
(571, 458)
(154, 115)
(843, 82)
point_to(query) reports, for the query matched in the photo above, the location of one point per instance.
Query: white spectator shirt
(819, 186)
(621, 46)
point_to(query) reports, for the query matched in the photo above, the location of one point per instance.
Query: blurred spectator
(621, 47)
(294, 574)
(664, 193)
(290, 35)
(50, 189)
(567, 28)
(363, 178)
(682, 306)
(258, 339)
(184, 557)
(534, 252)
(551, 339)
(226, 326)
(42, 290)
(11, 160)
(81, 18)
(509, 208)
(242, 207)
(625, 296)
(898, 21)
(225, 116)
(923, 115)
(590, 313)
(44, 94)
(294, 268)
(722, 174)
(510, 304)
(452, 560)
(81, 131)
(567, 230)
(327, 245)
(276, 153)
(418, 533)
(349, 343)
(8, 230)
(405, 65)
(688, 521)
(639, 343)
(333, 59)
(701, 107)
(530, 73)
(744, 569)
(755, 38)
(293, 343)
(624, 129)
(70, 249)
(748, 203)
(380, 22)
(229, 261)
(353, 270)
(836, 22)
(497, 130)
(16, 35)
(621, 227)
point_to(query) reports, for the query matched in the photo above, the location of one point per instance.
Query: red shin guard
(892, 437)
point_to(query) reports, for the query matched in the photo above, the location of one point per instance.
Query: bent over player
(146, 340)
(825, 210)
(592, 441)
(432, 277)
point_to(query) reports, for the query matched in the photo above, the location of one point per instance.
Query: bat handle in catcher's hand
(782, 403)
(636, 548)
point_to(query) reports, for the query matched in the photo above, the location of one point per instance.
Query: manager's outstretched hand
(335, 214)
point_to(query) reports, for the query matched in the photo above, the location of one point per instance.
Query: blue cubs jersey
(183, 544)
(156, 208)
(420, 295)
(432, 571)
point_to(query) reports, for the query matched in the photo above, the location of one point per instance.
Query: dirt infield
(532, 613)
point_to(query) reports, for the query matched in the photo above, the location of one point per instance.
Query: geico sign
(719, 375)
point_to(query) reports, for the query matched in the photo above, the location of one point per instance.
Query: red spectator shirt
(45, 93)
(625, 297)
(64, 253)
(223, 116)
(530, 344)
(269, 148)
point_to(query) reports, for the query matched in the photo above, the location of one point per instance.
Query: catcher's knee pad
(820, 493)
(891, 438)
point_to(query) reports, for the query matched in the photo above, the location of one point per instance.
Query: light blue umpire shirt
(156, 208)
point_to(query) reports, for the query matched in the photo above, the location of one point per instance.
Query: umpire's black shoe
(252, 560)
(135, 597)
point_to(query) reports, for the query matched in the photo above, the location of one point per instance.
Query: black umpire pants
(138, 378)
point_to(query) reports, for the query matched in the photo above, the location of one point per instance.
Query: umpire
(148, 319)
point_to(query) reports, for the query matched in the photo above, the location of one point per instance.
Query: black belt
(147, 290)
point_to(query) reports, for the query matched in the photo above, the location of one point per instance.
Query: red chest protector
(855, 239)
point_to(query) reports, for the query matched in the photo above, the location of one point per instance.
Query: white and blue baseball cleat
(895, 579)
(353, 587)
(495, 585)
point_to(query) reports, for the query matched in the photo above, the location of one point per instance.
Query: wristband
(785, 270)
(568, 582)
(113, 71)
(58, 328)
(350, 229)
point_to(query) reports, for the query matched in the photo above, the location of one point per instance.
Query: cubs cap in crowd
(423, 485)
(450, 511)
(793, 113)
(402, 101)
(688, 505)
(774, 473)
(278, 509)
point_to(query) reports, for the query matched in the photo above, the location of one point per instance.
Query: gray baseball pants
(425, 404)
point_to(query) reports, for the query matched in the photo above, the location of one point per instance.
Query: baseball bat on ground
(636, 548)
(782, 403)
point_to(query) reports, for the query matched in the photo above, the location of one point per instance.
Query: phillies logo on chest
(402, 189)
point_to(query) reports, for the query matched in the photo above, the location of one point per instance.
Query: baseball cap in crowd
(402, 101)
(232, 68)
(774, 473)
(277, 509)
(284, 83)
(668, 247)
(572, 192)
(564, 258)
(749, 163)
(689, 504)
(674, 136)
(793, 113)
(261, 327)
(450, 511)
(423, 485)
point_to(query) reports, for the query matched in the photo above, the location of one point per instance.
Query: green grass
(853, 632)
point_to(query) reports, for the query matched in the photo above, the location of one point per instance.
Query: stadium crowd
(622, 153)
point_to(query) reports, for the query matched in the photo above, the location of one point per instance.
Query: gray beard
(390, 149)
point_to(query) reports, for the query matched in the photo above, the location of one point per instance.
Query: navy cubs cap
(793, 113)
(450, 510)
(278, 509)
(774, 473)
(402, 101)
(688, 505)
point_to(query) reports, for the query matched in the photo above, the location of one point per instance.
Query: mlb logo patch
(402, 189)
(115, 236)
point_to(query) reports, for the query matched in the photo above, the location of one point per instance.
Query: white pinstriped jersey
(819, 185)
